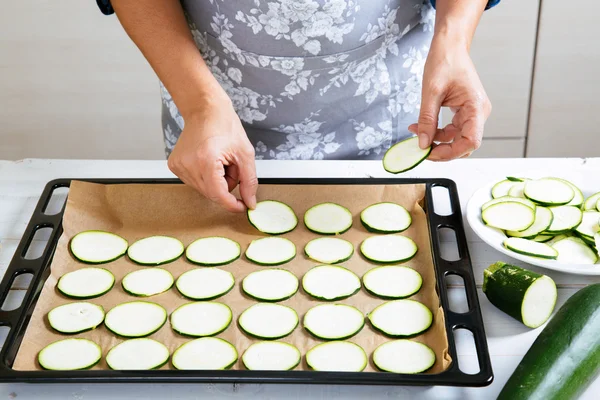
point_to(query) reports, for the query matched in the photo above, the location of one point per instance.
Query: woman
(305, 79)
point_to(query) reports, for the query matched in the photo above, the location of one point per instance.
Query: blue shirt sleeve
(490, 4)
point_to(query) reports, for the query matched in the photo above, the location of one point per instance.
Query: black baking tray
(18, 319)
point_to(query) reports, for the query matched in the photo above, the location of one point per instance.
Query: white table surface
(21, 183)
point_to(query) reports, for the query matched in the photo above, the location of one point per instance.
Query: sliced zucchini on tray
(147, 282)
(270, 284)
(268, 321)
(155, 250)
(333, 321)
(137, 354)
(76, 317)
(329, 250)
(135, 319)
(213, 251)
(273, 217)
(207, 353)
(271, 251)
(97, 247)
(330, 282)
(388, 248)
(337, 356)
(401, 318)
(204, 318)
(404, 357)
(86, 283)
(392, 281)
(70, 354)
(271, 356)
(385, 218)
(205, 283)
(328, 219)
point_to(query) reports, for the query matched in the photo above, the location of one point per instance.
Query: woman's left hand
(450, 80)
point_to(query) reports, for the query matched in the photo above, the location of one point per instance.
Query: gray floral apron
(313, 79)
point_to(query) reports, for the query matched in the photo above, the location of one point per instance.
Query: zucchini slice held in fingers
(135, 319)
(333, 321)
(270, 285)
(137, 354)
(385, 218)
(69, 355)
(213, 251)
(401, 318)
(205, 283)
(205, 318)
(86, 283)
(207, 353)
(392, 281)
(404, 356)
(268, 321)
(147, 282)
(530, 248)
(388, 248)
(273, 217)
(97, 247)
(337, 356)
(330, 282)
(405, 155)
(329, 250)
(271, 251)
(271, 356)
(328, 219)
(76, 317)
(155, 250)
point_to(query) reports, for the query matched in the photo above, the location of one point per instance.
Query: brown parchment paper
(135, 211)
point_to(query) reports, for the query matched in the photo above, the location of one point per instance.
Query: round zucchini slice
(137, 354)
(543, 220)
(273, 217)
(213, 251)
(385, 218)
(328, 219)
(69, 355)
(271, 356)
(97, 247)
(155, 250)
(502, 188)
(86, 283)
(135, 319)
(589, 224)
(329, 250)
(530, 248)
(207, 353)
(205, 283)
(330, 282)
(590, 202)
(527, 202)
(509, 216)
(147, 282)
(270, 284)
(573, 250)
(337, 356)
(204, 318)
(549, 191)
(403, 356)
(271, 251)
(565, 218)
(268, 321)
(392, 281)
(405, 155)
(388, 249)
(77, 317)
(333, 321)
(401, 318)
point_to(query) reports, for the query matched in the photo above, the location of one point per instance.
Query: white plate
(587, 181)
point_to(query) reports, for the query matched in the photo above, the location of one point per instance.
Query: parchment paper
(135, 211)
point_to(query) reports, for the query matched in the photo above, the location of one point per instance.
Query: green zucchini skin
(565, 358)
(253, 336)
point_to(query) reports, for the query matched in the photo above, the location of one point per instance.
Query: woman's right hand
(213, 155)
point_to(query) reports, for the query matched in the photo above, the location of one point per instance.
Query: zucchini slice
(543, 238)
(573, 250)
(78, 317)
(86, 283)
(271, 356)
(97, 247)
(270, 284)
(526, 296)
(543, 220)
(205, 318)
(527, 202)
(330, 282)
(589, 224)
(333, 321)
(401, 318)
(385, 218)
(591, 202)
(530, 248)
(517, 190)
(392, 281)
(205, 283)
(404, 156)
(388, 249)
(271, 251)
(509, 216)
(137, 354)
(597, 242)
(549, 191)
(147, 282)
(155, 250)
(337, 356)
(329, 250)
(502, 188)
(273, 217)
(565, 219)
(328, 219)
(70, 354)
(403, 356)
(213, 251)
(268, 321)
(135, 319)
(207, 353)
(578, 195)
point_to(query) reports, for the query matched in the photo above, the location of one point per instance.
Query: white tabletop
(21, 183)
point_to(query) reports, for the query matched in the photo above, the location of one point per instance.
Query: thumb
(248, 182)
(428, 116)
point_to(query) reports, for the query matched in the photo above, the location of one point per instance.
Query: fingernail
(412, 129)
(423, 140)
(252, 204)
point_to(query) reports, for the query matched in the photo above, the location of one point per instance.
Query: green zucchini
(270, 285)
(549, 191)
(137, 354)
(273, 217)
(207, 353)
(86, 283)
(147, 282)
(385, 217)
(388, 249)
(401, 318)
(403, 356)
(333, 321)
(77, 317)
(213, 251)
(328, 219)
(268, 321)
(135, 319)
(155, 250)
(337, 356)
(526, 296)
(70, 354)
(202, 318)
(205, 283)
(330, 282)
(501, 189)
(392, 281)
(271, 251)
(590, 202)
(97, 247)
(405, 155)
(271, 356)
(329, 250)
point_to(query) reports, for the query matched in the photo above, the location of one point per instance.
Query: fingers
(248, 179)
(216, 188)
(232, 176)
(428, 116)
(463, 145)
(447, 134)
